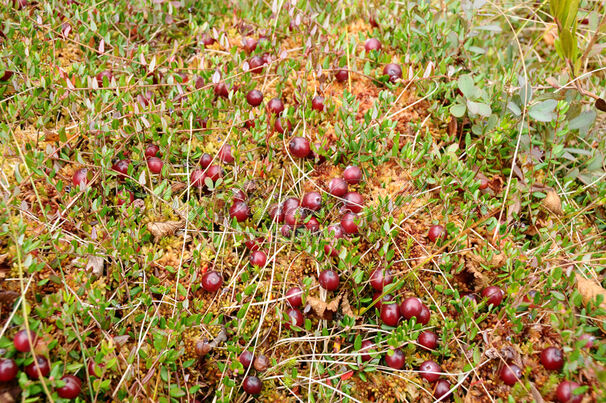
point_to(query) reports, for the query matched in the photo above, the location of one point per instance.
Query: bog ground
(328, 201)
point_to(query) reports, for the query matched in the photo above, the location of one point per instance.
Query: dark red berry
(104, 74)
(124, 196)
(329, 280)
(436, 232)
(256, 64)
(312, 201)
(353, 202)
(312, 224)
(22, 341)
(372, 44)
(365, 350)
(261, 363)
(423, 317)
(207, 40)
(225, 155)
(282, 125)
(258, 258)
(552, 358)
(295, 318)
(286, 230)
(294, 297)
(121, 166)
(72, 387)
(95, 369)
(411, 307)
(352, 175)
(80, 177)
(291, 203)
(276, 213)
(40, 367)
(8, 369)
(155, 165)
(249, 44)
(317, 103)
(205, 160)
(380, 278)
(384, 299)
(275, 106)
(428, 340)
(564, 392)
(254, 97)
(510, 374)
(341, 75)
(299, 147)
(240, 211)
(221, 90)
(394, 71)
(238, 195)
(214, 172)
(493, 294)
(441, 389)
(197, 178)
(293, 217)
(348, 223)
(390, 314)
(337, 187)
(252, 385)
(151, 150)
(430, 371)
(395, 359)
(246, 359)
(212, 281)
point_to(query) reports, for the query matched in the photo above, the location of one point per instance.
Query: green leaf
(458, 110)
(467, 86)
(514, 108)
(584, 120)
(479, 108)
(358, 343)
(543, 111)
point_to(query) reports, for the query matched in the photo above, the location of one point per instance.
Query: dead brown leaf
(346, 308)
(7, 297)
(95, 263)
(590, 290)
(552, 202)
(322, 307)
(162, 229)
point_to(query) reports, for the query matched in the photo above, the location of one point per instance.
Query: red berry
(261, 363)
(254, 97)
(225, 154)
(40, 367)
(205, 160)
(121, 166)
(435, 232)
(80, 177)
(390, 315)
(238, 195)
(510, 374)
(299, 147)
(212, 281)
(386, 298)
(552, 358)
(317, 103)
(221, 90)
(430, 371)
(493, 294)
(341, 75)
(353, 202)
(293, 217)
(441, 389)
(337, 187)
(428, 340)
(365, 350)
(275, 106)
(395, 360)
(348, 223)
(290, 204)
(249, 44)
(276, 213)
(312, 201)
(281, 125)
(564, 392)
(256, 64)
(104, 74)
(155, 165)
(258, 258)
(293, 296)
(95, 369)
(313, 224)
(286, 230)
(207, 40)
(246, 358)
(214, 172)
(380, 278)
(411, 307)
(151, 150)
(22, 341)
(483, 183)
(240, 211)
(72, 387)
(352, 175)
(252, 385)
(423, 317)
(197, 178)
(8, 370)
(394, 71)
(372, 44)
(295, 318)
(329, 280)
(124, 196)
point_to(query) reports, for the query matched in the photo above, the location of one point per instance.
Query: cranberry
(252, 385)
(510, 374)
(261, 363)
(295, 318)
(254, 98)
(291, 203)
(246, 358)
(353, 202)
(239, 210)
(552, 358)
(8, 370)
(214, 172)
(275, 106)
(205, 160)
(441, 389)
(197, 178)
(286, 230)
(341, 75)
(238, 195)
(256, 64)
(281, 125)
(365, 350)
(151, 150)
(80, 177)
(249, 44)
(430, 371)
(124, 196)
(199, 83)
(299, 147)
(22, 341)
(394, 71)
(564, 392)
(483, 183)
(372, 44)
(390, 315)
(225, 154)
(337, 187)
(590, 340)
(95, 369)
(258, 258)
(40, 367)
(72, 387)
(329, 280)
(435, 232)
(293, 217)
(395, 360)
(380, 278)
(293, 296)
(121, 166)
(221, 90)
(493, 294)
(266, 57)
(423, 317)
(348, 223)
(276, 213)
(212, 281)
(312, 201)
(372, 20)
(428, 340)
(104, 74)
(313, 224)
(207, 40)
(155, 165)
(386, 298)
(411, 307)
(317, 103)
(352, 175)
